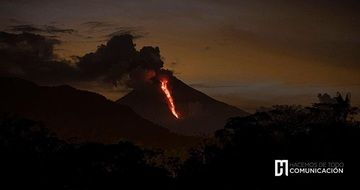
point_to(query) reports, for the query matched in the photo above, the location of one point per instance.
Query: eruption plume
(170, 101)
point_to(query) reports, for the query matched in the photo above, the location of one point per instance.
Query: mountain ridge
(87, 116)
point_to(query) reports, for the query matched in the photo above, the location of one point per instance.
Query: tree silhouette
(338, 108)
(241, 154)
(38, 159)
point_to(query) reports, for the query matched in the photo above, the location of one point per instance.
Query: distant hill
(83, 115)
(199, 113)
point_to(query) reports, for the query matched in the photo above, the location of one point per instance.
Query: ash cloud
(118, 62)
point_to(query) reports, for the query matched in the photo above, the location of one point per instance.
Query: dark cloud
(133, 31)
(54, 29)
(97, 24)
(31, 56)
(39, 29)
(106, 30)
(29, 44)
(119, 60)
(25, 28)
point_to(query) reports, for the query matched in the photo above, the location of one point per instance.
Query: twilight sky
(247, 53)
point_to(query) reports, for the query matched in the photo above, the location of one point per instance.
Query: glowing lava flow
(165, 89)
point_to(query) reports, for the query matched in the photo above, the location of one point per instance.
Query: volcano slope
(199, 114)
(83, 116)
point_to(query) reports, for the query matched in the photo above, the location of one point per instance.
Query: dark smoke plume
(119, 61)
(31, 56)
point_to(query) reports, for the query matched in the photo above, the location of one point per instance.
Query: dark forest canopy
(241, 154)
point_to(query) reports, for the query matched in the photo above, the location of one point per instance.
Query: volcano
(198, 114)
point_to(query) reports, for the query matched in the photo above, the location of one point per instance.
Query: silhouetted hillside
(87, 116)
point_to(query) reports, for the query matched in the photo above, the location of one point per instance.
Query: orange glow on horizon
(170, 101)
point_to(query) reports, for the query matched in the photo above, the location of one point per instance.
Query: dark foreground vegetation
(239, 156)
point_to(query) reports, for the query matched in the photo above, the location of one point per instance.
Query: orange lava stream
(164, 88)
